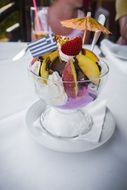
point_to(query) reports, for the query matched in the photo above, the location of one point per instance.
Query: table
(26, 165)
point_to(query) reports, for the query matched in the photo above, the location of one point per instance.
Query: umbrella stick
(85, 31)
(84, 37)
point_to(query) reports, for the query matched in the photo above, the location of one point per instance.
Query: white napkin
(117, 54)
(96, 110)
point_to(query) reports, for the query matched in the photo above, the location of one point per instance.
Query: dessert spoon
(20, 54)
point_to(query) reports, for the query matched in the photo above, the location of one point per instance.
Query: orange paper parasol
(85, 23)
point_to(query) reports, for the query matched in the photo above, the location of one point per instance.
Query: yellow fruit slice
(45, 55)
(52, 55)
(90, 55)
(43, 72)
(89, 68)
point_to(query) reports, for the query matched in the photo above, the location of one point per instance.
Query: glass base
(66, 123)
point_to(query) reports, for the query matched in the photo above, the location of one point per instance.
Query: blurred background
(15, 17)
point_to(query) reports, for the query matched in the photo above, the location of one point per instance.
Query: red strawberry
(72, 47)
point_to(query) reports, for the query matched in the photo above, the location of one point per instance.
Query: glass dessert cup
(64, 116)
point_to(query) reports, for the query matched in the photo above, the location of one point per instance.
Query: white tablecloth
(26, 165)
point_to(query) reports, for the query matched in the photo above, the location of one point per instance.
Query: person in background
(59, 10)
(121, 17)
(87, 5)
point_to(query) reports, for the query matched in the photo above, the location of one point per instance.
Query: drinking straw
(85, 31)
(38, 25)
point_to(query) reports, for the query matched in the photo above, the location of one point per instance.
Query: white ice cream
(35, 67)
(53, 92)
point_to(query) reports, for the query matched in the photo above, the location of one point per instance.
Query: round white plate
(120, 53)
(64, 145)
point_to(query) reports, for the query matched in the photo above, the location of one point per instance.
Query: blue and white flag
(43, 45)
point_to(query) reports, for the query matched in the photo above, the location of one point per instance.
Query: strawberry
(72, 47)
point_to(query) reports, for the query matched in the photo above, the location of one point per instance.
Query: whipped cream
(53, 92)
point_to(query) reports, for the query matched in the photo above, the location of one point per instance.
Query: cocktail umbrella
(85, 23)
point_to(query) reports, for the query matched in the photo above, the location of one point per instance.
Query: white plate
(119, 52)
(116, 50)
(65, 145)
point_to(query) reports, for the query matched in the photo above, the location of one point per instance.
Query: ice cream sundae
(67, 77)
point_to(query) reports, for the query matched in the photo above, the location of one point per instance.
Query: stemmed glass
(64, 117)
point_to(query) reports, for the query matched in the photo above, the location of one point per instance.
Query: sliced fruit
(70, 79)
(89, 68)
(52, 55)
(90, 54)
(45, 55)
(43, 70)
(72, 47)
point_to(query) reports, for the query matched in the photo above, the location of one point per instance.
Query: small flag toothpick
(43, 45)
